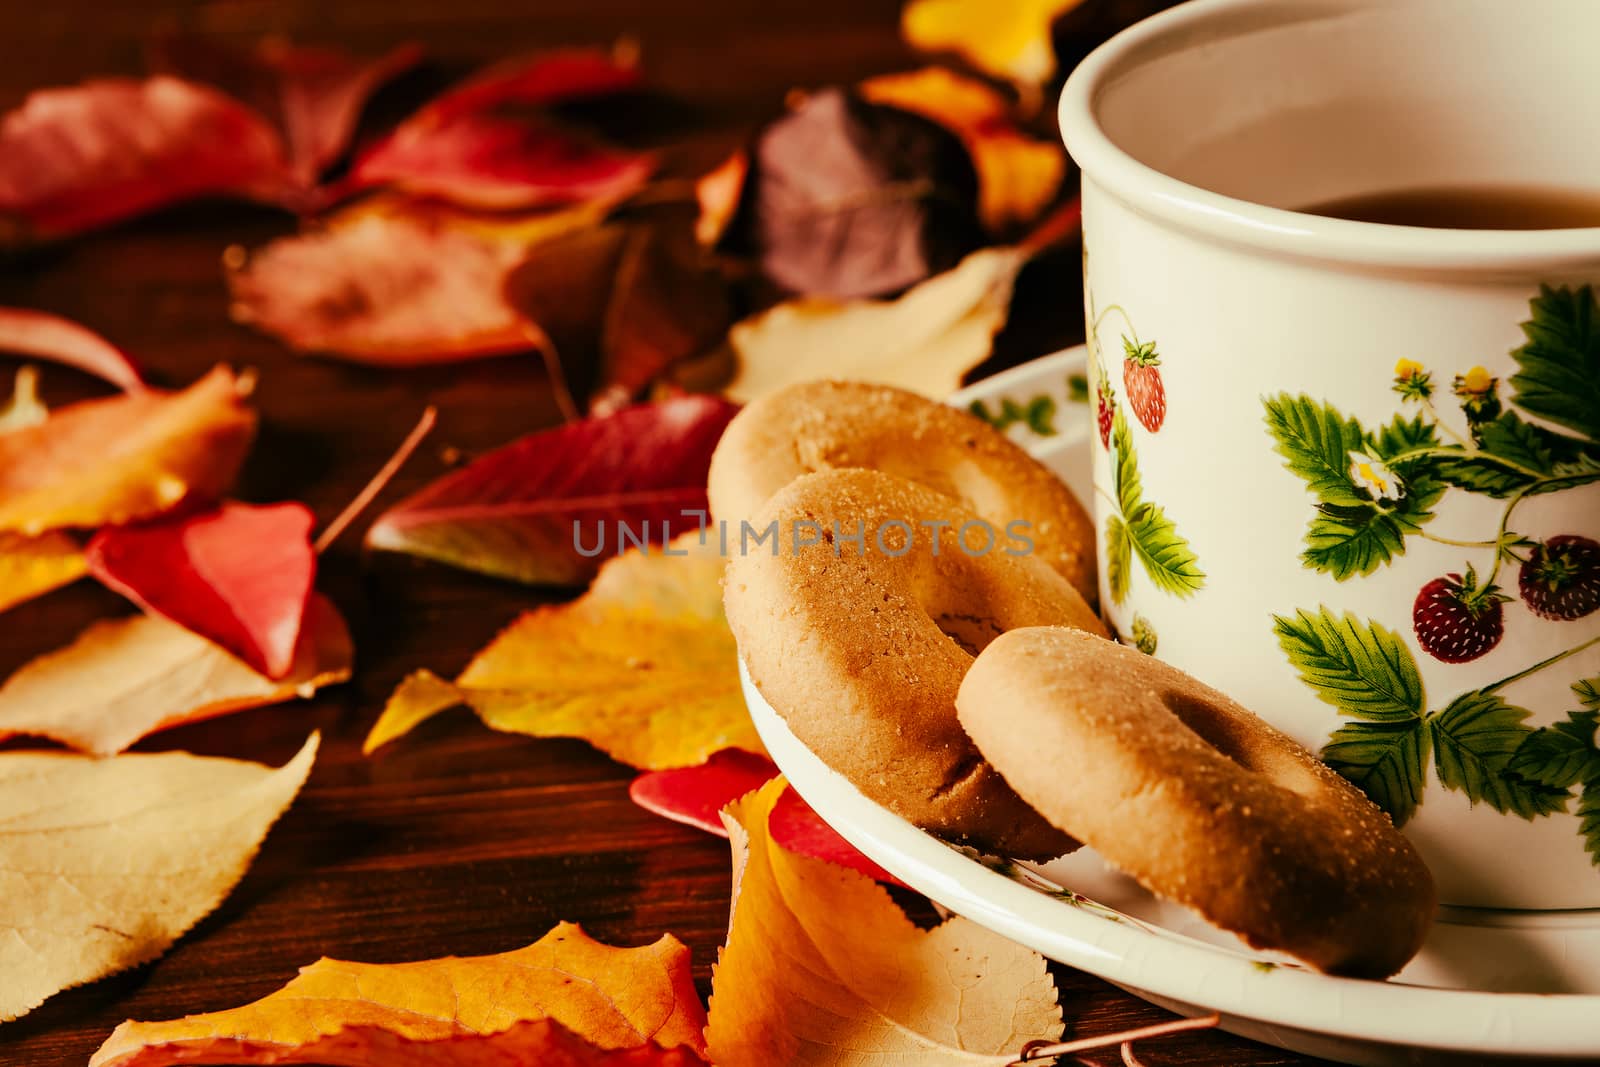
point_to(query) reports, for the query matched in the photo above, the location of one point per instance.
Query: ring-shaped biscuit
(861, 644)
(1198, 800)
(827, 425)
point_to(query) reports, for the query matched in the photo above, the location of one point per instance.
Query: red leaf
(46, 336)
(695, 796)
(520, 511)
(465, 147)
(238, 575)
(794, 826)
(84, 156)
(314, 96)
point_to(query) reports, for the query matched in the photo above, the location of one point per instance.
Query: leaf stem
(342, 521)
(1035, 1051)
(1427, 405)
(1425, 535)
(1541, 665)
(1115, 504)
(1472, 453)
(1120, 310)
(1505, 522)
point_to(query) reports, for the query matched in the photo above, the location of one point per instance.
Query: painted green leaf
(1404, 435)
(1559, 375)
(1315, 441)
(1480, 474)
(1387, 760)
(1589, 814)
(1166, 556)
(1569, 474)
(1078, 388)
(1358, 667)
(1474, 741)
(1588, 692)
(1346, 541)
(1511, 438)
(1119, 551)
(1561, 755)
(1129, 491)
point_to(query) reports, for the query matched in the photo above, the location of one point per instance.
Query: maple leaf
(925, 340)
(238, 575)
(106, 862)
(608, 998)
(32, 566)
(123, 679)
(642, 666)
(123, 458)
(395, 282)
(1017, 175)
(46, 336)
(468, 146)
(83, 156)
(312, 96)
(821, 967)
(524, 510)
(1011, 41)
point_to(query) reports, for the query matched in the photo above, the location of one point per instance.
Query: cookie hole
(972, 632)
(1214, 726)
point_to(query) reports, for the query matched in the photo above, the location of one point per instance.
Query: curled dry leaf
(313, 96)
(123, 679)
(238, 575)
(46, 336)
(696, 796)
(83, 156)
(925, 340)
(489, 144)
(547, 507)
(846, 198)
(31, 566)
(106, 862)
(23, 408)
(642, 666)
(105, 462)
(1010, 41)
(821, 967)
(395, 283)
(608, 998)
(1018, 176)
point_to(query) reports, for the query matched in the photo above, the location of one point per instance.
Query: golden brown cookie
(861, 645)
(1197, 799)
(820, 426)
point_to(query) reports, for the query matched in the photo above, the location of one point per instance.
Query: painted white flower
(1369, 473)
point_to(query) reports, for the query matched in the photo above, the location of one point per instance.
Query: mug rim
(1280, 230)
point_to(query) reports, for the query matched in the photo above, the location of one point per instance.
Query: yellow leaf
(30, 566)
(613, 998)
(125, 678)
(107, 462)
(925, 340)
(105, 863)
(821, 968)
(24, 409)
(1017, 175)
(1009, 40)
(642, 666)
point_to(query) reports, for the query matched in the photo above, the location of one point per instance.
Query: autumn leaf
(642, 666)
(490, 143)
(716, 194)
(45, 336)
(32, 566)
(23, 408)
(83, 156)
(106, 862)
(123, 679)
(844, 198)
(524, 510)
(238, 575)
(1018, 176)
(609, 998)
(821, 967)
(128, 457)
(1010, 41)
(312, 96)
(925, 340)
(395, 282)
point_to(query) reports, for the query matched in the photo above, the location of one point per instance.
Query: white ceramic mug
(1311, 424)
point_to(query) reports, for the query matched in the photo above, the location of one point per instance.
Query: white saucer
(1488, 987)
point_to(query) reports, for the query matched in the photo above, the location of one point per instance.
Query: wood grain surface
(454, 840)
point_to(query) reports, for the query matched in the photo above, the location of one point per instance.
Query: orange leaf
(607, 998)
(106, 462)
(821, 968)
(642, 666)
(717, 192)
(31, 566)
(1017, 175)
(1010, 41)
(124, 679)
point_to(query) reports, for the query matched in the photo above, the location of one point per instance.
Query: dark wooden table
(455, 840)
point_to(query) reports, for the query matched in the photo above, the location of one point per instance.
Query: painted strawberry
(1105, 410)
(1456, 620)
(1561, 577)
(1141, 374)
